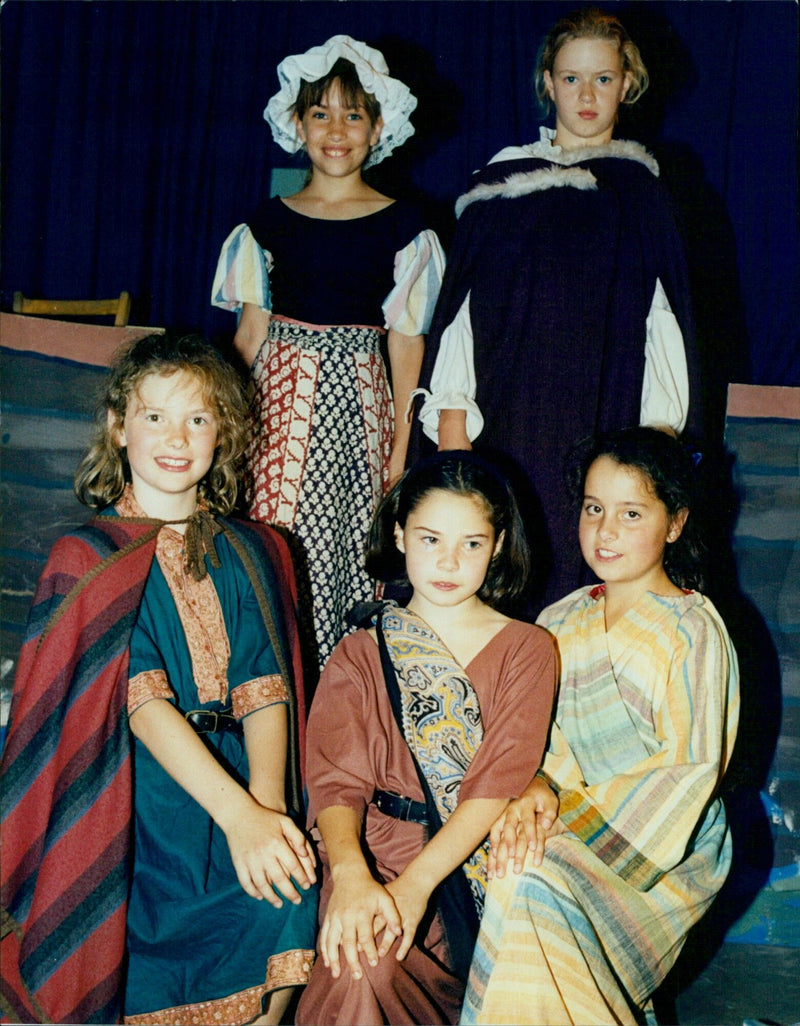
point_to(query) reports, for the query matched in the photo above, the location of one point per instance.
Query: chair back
(118, 308)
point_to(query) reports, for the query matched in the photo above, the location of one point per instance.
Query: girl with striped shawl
(644, 727)
(151, 867)
(421, 728)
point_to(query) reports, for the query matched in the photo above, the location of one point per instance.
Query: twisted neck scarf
(198, 539)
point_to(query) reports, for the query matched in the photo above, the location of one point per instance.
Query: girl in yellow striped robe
(585, 930)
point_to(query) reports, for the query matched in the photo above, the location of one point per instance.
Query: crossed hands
(525, 825)
(367, 917)
(268, 850)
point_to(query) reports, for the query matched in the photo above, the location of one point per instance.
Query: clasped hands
(365, 917)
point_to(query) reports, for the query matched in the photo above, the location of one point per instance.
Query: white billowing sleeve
(665, 388)
(453, 384)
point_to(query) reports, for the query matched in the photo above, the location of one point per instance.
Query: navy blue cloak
(561, 262)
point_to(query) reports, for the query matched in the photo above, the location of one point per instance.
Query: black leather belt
(207, 721)
(398, 807)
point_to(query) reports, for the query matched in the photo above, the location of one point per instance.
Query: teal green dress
(199, 948)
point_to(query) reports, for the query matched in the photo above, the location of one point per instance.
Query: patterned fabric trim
(258, 694)
(371, 387)
(198, 608)
(201, 617)
(147, 685)
(327, 338)
(289, 969)
(441, 718)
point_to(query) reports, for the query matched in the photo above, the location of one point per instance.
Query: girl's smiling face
(586, 86)
(448, 542)
(170, 432)
(337, 137)
(624, 528)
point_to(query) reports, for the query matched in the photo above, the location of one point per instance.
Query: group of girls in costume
(426, 722)
(481, 855)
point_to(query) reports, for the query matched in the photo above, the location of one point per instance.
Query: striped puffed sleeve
(242, 273)
(418, 271)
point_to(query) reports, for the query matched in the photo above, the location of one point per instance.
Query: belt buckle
(405, 808)
(199, 720)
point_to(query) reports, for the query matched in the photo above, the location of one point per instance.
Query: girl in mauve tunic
(470, 692)
(319, 277)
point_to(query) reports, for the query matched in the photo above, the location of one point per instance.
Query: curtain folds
(132, 140)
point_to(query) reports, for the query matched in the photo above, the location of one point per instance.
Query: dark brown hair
(668, 469)
(466, 474)
(353, 93)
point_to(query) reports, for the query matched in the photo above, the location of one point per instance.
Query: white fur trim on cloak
(562, 170)
(522, 183)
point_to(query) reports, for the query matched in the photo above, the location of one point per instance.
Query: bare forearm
(252, 330)
(176, 746)
(405, 359)
(455, 842)
(265, 738)
(340, 827)
(453, 430)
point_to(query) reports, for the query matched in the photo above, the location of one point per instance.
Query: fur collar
(524, 182)
(562, 171)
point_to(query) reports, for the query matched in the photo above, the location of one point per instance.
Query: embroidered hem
(258, 694)
(288, 969)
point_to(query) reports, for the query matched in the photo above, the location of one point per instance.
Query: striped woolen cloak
(67, 781)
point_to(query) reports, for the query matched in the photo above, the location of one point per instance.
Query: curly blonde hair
(591, 23)
(104, 471)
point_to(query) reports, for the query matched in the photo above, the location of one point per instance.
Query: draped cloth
(644, 728)
(441, 718)
(67, 783)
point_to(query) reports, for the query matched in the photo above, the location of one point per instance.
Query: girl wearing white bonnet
(318, 280)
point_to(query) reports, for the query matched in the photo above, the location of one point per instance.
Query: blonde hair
(592, 23)
(104, 470)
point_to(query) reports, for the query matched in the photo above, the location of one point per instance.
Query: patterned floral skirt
(319, 460)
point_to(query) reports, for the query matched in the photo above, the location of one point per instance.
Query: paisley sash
(439, 716)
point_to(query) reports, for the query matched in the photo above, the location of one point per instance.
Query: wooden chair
(119, 308)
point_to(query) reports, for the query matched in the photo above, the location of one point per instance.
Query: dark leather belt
(207, 721)
(398, 807)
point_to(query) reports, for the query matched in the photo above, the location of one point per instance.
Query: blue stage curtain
(133, 141)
